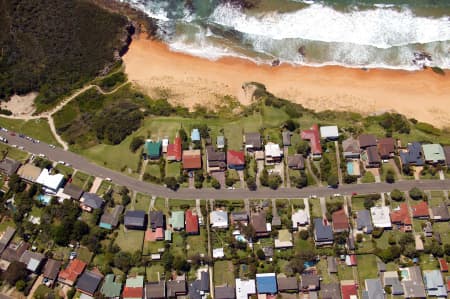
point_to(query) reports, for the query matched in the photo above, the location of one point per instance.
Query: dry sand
(20, 106)
(189, 80)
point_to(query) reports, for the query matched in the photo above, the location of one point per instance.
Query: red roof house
(129, 292)
(235, 159)
(174, 150)
(191, 223)
(340, 221)
(349, 290)
(314, 138)
(421, 210)
(192, 159)
(401, 218)
(70, 275)
(443, 264)
(448, 284)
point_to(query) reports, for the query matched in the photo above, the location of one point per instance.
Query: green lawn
(368, 177)
(84, 254)
(173, 169)
(142, 202)
(322, 265)
(316, 211)
(13, 153)
(35, 128)
(104, 186)
(80, 179)
(385, 167)
(65, 170)
(197, 244)
(178, 247)
(436, 198)
(153, 169)
(160, 205)
(367, 267)
(155, 272)
(223, 273)
(5, 225)
(177, 203)
(443, 228)
(152, 247)
(129, 240)
(345, 272)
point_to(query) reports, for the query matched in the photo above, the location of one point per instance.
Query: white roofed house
(381, 217)
(245, 288)
(273, 153)
(219, 219)
(299, 218)
(329, 132)
(50, 182)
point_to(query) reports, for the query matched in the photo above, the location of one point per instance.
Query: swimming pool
(240, 238)
(45, 199)
(350, 169)
(404, 274)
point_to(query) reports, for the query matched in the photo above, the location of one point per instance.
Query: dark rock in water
(189, 5)
(276, 62)
(242, 3)
(301, 50)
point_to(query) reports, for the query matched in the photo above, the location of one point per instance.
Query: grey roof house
(89, 282)
(323, 233)
(440, 213)
(156, 219)
(110, 220)
(7, 236)
(91, 201)
(135, 220)
(252, 141)
(51, 270)
(332, 264)
(224, 292)
(287, 284)
(391, 279)
(176, 288)
(155, 290)
(296, 162)
(367, 140)
(287, 138)
(310, 282)
(413, 286)
(364, 221)
(73, 191)
(350, 148)
(413, 155)
(374, 289)
(33, 260)
(9, 166)
(330, 291)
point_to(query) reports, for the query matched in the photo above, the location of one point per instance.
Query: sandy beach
(188, 80)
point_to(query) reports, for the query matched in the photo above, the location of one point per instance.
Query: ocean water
(397, 34)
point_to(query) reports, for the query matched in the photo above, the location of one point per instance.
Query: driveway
(36, 284)
(220, 176)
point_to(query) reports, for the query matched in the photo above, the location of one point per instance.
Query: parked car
(72, 255)
(51, 146)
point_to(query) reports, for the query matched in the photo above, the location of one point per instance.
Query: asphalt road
(81, 163)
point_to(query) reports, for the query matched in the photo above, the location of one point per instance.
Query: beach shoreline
(189, 80)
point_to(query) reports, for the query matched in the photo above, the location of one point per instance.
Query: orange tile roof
(192, 161)
(191, 222)
(401, 216)
(73, 270)
(340, 220)
(421, 210)
(133, 292)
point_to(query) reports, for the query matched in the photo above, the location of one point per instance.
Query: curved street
(81, 163)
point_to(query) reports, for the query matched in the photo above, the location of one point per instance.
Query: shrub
(215, 183)
(438, 70)
(304, 234)
(390, 176)
(377, 232)
(397, 195)
(415, 193)
(274, 181)
(136, 143)
(171, 183)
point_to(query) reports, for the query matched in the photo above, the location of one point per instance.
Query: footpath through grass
(35, 128)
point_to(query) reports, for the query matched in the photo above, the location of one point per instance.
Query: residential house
(371, 157)
(329, 132)
(340, 221)
(155, 290)
(381, 217)
(287, 284)
(364, 221)
(134, 288)
(174, 150)
(157, 220)
(350, 148)
(268, 252)
(165, 145)
(192, 227)
(390, 279)
(71, 273)
(447, 154)
(413, 156)
(253, 141)
(299, 218)
(421, 210)
(6, 237)
(215, 160)
(313, 136)
(239, 217)
(14, 251)
(400, 217)
(224, 292)
(434, 284)
(9, 166)
(412, 282)
(50, 271)
(323, 233)
(192, 160)
(177, 220)
(332, 265)
(153, 149)
(91, 201)
(218, 253)
(219, 219)
(374, 289)
(284, 239)
(443, 265)
(110, 287)
(309, 282)
(73, 191)
(89, 282)
(236, 160)
(50, 182)
(29, 172)
(195, 135)
(220, 142)
(296, 162)
(110, 220)
(175, 288)
(33, 260)
(135, 220)
(286, 138)
(199, 289)
(350, 260)
(258, 221)
(440, 213)
(386, 148)
(330, 291)
(349, 289)
(433, 153)
(273, 153)
(428, 229)
(245, 288)
(366, 140)
(266, 283)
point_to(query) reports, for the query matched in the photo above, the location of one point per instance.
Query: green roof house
(167, 235)
(153, 149)
(135, 282)
(177, 220)
(111, 288)
(434, 153)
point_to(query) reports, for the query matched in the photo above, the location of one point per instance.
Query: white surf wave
(379, 27)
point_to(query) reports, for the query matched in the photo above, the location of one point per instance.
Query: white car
(61, 162)
(41, 155)
(20, 147)
(51, 146)
(108, 179)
